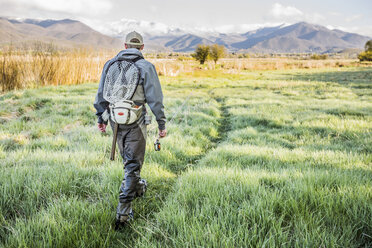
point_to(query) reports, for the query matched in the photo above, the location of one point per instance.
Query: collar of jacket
(130, 52)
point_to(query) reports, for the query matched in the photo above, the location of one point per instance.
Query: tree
(201, 53)
(216, 52)
(367, 54)
(368, 46)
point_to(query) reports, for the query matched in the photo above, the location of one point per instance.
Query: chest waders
(127, 120)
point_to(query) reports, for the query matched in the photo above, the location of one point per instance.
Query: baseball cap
(134, 38)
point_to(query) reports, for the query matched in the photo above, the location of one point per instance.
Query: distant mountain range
(65, 33)
(296, 38)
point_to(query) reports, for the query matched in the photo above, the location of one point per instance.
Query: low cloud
(280, 11)
(120, 28)
(242, 28)
(292, 14)
(124, 26)
(354, 18)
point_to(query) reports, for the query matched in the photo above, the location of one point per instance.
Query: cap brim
(134, 43)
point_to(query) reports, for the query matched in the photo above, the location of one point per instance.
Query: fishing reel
(157, 145)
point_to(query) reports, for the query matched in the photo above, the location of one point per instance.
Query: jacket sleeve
(100, 104)
(154, 95)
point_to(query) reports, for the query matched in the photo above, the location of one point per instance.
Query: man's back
(148, 91)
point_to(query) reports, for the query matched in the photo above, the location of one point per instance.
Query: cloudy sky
(216, 15)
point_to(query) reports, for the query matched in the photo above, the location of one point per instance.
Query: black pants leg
(132, 145)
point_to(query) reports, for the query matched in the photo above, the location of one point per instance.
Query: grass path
(224, 126)
(145, 227)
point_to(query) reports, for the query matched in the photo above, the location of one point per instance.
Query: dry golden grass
(175, 67)
(40, 67)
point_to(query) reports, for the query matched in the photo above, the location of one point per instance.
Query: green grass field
(256, 159)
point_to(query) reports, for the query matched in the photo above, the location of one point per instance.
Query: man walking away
(129, 81)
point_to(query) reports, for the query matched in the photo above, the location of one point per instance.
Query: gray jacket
(148, 91)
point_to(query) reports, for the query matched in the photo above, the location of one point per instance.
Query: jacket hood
(130, 52)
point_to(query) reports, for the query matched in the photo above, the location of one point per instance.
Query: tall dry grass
(45, 65)
(12, 72)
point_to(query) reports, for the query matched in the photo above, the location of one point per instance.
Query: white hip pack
(125, 112)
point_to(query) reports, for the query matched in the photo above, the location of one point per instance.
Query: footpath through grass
(256, 159)
(58, 186)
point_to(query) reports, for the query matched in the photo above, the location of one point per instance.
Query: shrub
(365, 56)
(216, 52)
(319, 56)
(201, 53)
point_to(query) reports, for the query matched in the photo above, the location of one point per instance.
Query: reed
(42, 67)
(45, 65)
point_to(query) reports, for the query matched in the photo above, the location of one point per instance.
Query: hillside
(297, 38)
(61, 32)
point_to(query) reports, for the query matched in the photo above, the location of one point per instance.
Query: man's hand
(162, 133)
(102, 127)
